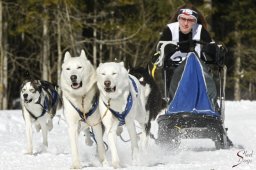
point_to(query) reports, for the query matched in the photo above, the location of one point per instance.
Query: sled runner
(192, 112)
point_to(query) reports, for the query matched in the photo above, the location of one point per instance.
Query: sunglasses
(186, 19)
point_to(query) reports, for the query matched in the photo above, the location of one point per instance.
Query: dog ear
(37, 85)
(83, 54)
(36, 82)
(67, 56)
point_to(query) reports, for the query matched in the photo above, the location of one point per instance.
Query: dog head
(30, 91)
(77, 73)
(141, 74)
(112, 79)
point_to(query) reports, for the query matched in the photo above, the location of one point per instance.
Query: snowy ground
(191, 155)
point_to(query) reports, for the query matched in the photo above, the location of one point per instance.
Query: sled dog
(120, 103)
(153, 97)
(39, 101)
(80, 100)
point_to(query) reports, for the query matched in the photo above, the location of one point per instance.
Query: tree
(3, 59)
(237, 17)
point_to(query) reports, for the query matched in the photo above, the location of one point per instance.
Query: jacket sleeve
(209, 50)
(205, 36)
(166, 35)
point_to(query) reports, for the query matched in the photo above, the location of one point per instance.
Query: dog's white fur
(32, 100)
(78, 83)
(114, 85)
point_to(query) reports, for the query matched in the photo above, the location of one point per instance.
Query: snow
(193, 154)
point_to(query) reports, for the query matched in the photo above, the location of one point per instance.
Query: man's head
(187, 18)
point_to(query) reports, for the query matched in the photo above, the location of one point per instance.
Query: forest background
(34, 35)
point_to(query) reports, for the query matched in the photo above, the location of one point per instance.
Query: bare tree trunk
(208, 6)
(111, 53)
(94, 39)
(136, 57)
(46, 49)
(70, 28)
(5, 67)
(250, 90)
(59, 46)
(237, 67)
(3, 61)
(1, 56)
(100, 49)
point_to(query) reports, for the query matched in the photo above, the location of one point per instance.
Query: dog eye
(103, 74)
(79, 67)
(113, 73)
(67, 68)
(32, 90)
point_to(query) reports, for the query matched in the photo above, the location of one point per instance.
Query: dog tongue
(75, 85)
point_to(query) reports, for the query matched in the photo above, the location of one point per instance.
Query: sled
(190, 113)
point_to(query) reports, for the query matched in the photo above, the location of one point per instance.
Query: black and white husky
(153, 97)
(40, 101)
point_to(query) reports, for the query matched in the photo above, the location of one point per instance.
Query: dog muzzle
(25, 97)
(108, 88)
(76, 85)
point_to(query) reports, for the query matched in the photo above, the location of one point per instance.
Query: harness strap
(121, 116)
(54, 96)
(134, 85)
(44, 107)
(84, 116)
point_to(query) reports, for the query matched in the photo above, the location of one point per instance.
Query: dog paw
(41, 149)
(116, 164)
(75, 166)
(105, 163)
(28, 152)
(135, 157)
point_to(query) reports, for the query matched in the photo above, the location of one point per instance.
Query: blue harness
(90, 112)
(121, 116)
(46, 106)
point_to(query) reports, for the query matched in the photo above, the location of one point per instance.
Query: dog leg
(111, 131)
(49, 124)
(28, 125)
(45, 135)
(143, 139)
(29, 137)
(88, 139)
(100, 144)
(73, 137)
(134, 142)
(37, 126)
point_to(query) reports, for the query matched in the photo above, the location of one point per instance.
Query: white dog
(121, 102)
(39, 101)
(80, 99)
